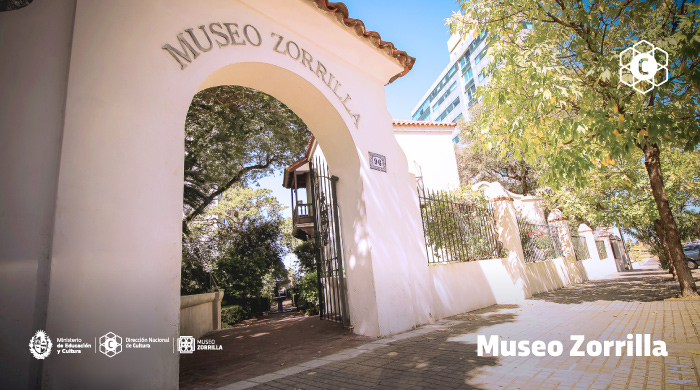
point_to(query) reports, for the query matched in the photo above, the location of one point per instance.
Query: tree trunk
(652, 163)
(658, 226)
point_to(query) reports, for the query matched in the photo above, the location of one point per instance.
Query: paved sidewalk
(444, 356)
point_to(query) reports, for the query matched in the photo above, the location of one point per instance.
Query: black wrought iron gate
(329, 251)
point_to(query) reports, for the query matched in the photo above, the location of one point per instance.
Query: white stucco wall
(35, 45)
(430, 152)
(114, 243)
(200, 313)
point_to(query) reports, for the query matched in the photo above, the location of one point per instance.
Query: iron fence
(602, 252)
(580, 246)
(540, 242)
(456, 230)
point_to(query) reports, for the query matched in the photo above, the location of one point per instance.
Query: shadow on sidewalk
(262, 346)
(628, 286)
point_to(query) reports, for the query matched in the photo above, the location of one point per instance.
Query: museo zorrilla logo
(643, 66)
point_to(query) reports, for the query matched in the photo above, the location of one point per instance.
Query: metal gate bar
(329, 260)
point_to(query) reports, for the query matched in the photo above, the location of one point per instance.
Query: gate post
(575, 270)
(587, 233)
(509, 235)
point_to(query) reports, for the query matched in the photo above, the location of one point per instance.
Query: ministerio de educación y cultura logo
(40, 345)
(643, 66)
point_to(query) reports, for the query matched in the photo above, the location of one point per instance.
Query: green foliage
(555, 91)
(233, 314)
(459, 226)
(306, 293)
(619, 195)
(306, 255)
(239, 244)
(233, 137)
(252, 254)
(476, 164)
(536, 241)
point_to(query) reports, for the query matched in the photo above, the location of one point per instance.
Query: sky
(414, 26)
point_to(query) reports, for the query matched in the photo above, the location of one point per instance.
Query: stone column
(586, 232)
(604, 236)
(531, 209)
(509, 235)
(217, 309)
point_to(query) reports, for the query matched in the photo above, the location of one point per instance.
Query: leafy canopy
(620, 196)
(555, 92)
(234, 136)
(240, 241)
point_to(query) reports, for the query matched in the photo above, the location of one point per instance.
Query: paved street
(444, 356)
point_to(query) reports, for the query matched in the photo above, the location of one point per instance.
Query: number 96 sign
(377, 162)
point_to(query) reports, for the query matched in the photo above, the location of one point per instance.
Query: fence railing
(456, 230)
(580, 246)
(540, 242)
(602, 252)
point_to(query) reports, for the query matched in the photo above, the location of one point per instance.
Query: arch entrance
(110, 262)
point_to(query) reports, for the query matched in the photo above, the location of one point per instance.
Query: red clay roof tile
(340, 11)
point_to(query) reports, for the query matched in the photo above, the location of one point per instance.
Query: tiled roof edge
(340, 11)
(401, 122)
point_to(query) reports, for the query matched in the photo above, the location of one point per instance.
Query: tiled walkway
(444, 356)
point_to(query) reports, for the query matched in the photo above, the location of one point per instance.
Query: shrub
(231, 315)
(306, 294)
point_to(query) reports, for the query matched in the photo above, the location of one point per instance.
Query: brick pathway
(443, 356)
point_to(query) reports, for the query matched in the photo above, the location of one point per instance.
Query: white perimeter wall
(430, 153)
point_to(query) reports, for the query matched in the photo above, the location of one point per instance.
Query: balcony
(302, 221)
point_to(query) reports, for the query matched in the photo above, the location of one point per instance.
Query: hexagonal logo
(185, 344)
(110, 344)
(643, 66)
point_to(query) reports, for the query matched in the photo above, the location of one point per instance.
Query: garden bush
(306, 294)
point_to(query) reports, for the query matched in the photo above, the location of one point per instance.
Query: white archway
(113, 107)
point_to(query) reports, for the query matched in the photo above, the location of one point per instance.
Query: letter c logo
(646, 63)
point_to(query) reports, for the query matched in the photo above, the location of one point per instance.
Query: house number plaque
(377, 162)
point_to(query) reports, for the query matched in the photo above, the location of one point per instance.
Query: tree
(234, 136)
(620, 196)
(555, 92)
(239, 243)
(477, 164)
(306, 255)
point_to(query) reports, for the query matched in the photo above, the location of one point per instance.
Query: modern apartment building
(454, 91)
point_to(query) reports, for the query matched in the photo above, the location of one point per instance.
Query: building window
(471, 93)
(464, 61)
(482, 75)
(423, 111)
(468, 76)
(445, 95)
(480, 56)
(448, 110)
(443, 82)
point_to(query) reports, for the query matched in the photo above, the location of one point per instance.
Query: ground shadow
(432, 360)
(263, 346)
(627, 286)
